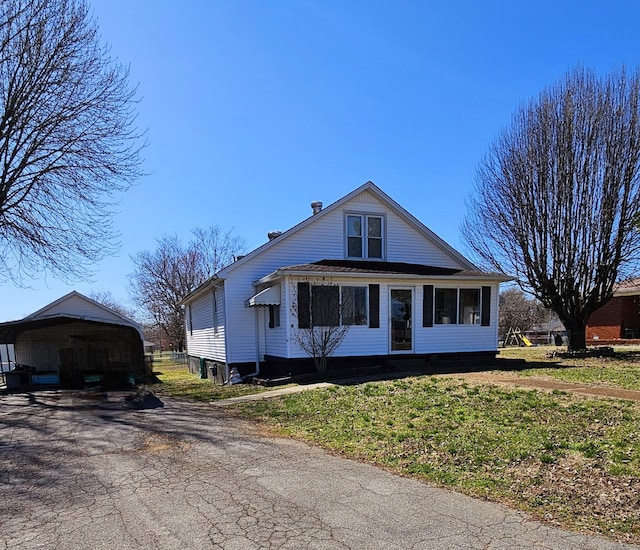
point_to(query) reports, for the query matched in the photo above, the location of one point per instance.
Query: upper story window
(365, 237)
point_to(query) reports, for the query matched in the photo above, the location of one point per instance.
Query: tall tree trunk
(576, 334)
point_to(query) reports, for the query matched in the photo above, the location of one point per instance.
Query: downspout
(257, 371)
(226, 335)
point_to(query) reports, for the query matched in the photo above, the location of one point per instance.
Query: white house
(411, 295)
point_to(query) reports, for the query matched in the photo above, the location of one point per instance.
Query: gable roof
(369, 186)
(102, 312)
(55, 313)
(380, 195)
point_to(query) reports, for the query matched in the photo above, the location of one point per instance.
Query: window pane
(375, 248)
(374, 227)
(355, 247)
(325, 306)
(470, 306)
(354, 226)
(274, 316)
(446, 306)
(354, 305)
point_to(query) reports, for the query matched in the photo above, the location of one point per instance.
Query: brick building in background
(619, 319)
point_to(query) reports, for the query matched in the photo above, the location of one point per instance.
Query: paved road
(92, 473)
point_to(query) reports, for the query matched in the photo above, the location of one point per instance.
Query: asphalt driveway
(80, 471)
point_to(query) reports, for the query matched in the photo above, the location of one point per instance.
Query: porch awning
(268, 297)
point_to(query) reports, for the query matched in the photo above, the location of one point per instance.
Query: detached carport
(74, 342)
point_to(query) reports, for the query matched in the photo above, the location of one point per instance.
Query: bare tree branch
(107, 299)
(67, 139)
(519, 311)
(161, 278)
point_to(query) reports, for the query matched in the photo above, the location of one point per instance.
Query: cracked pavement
(80, 470)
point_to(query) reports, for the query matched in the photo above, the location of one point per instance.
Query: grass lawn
(566, 459)
(621, 371)
(176, 380)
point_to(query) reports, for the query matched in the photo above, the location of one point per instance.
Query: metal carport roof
(10, 330)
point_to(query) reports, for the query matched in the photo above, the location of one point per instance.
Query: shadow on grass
(435, 365)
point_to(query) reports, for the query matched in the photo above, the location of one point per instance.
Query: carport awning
(10, 330)
(268, 297)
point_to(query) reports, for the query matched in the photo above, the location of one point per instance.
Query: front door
(401, 322)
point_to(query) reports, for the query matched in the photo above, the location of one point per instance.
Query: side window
(446, 306)
(354, 305)
(460, 306)
(470, 306)
(274, 316)
(325, 306)
(215, 312)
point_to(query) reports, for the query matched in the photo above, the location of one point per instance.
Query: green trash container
(203, 368)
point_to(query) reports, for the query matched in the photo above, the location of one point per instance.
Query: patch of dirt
(160, 443)
(549, 384)
(551, 489)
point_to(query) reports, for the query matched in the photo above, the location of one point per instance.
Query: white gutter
(380, 275)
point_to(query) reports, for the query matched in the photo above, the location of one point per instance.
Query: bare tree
(216, 248)
(68, 143)
(324, 316)
(557, 195)
(161, 278)
(517, 310)
(107, 299)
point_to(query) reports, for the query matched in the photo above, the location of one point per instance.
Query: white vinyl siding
(362, 340)
(77, 306)
(445, 338)
(205, 335)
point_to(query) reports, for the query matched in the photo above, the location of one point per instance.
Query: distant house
(72, 341)
(618, 319)
(411, 294)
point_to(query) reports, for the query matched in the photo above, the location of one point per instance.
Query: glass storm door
(401, 322)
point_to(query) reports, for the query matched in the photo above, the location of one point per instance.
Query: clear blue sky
(254, 108)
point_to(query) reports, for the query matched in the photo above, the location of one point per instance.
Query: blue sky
(255, 108)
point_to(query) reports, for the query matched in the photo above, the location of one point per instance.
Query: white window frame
(364, 236)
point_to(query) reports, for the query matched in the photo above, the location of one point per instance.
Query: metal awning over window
(268, 297)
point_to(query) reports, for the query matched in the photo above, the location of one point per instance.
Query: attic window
(364, 237)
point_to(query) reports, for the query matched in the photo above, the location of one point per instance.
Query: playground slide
(525, 340)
